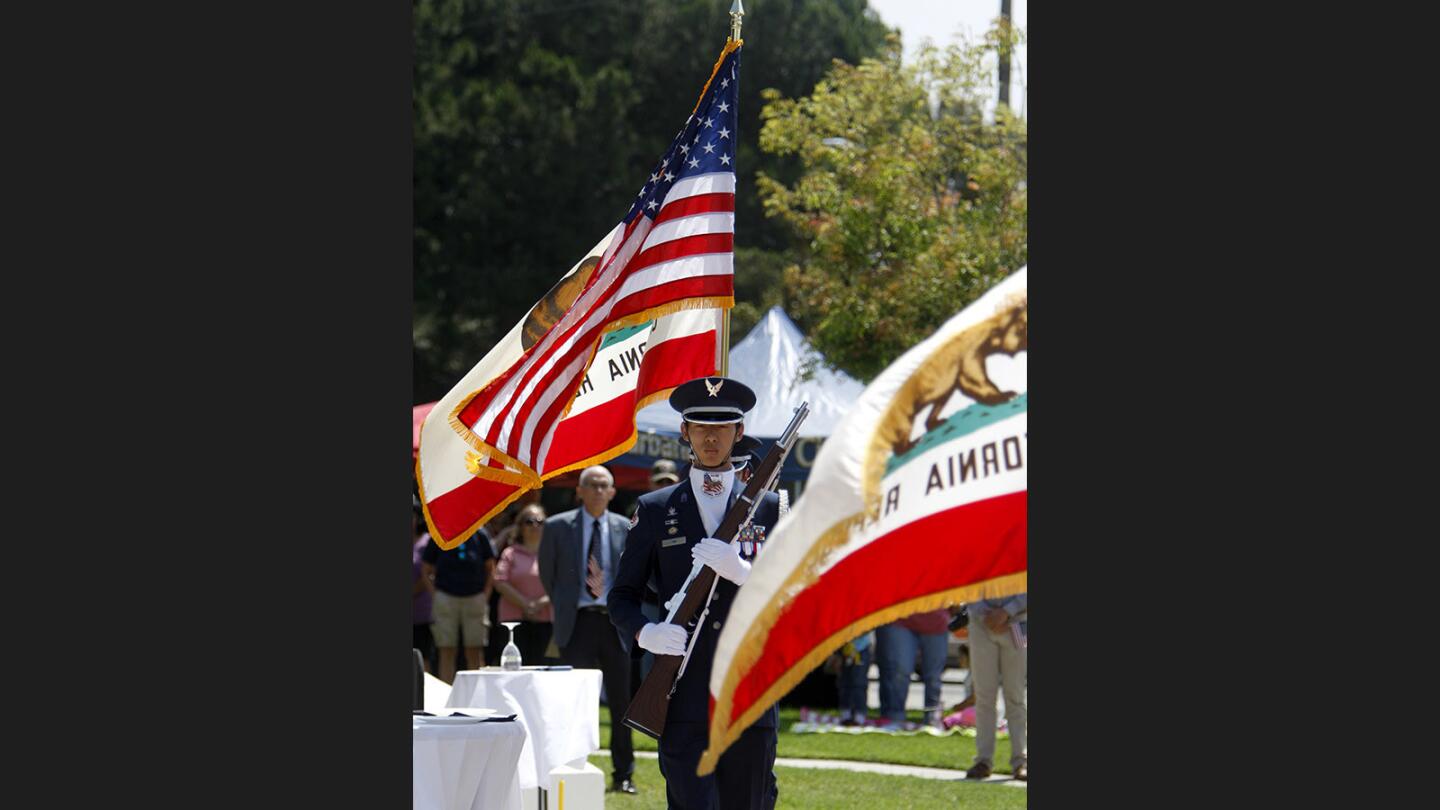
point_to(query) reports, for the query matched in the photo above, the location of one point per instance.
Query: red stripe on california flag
(664, 365)
(722, 284)
(675, 361)
(458, 509)
(699, 204)
(916, 559)
(601, 427)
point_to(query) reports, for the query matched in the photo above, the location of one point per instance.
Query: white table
(465, 767)
(559, 709)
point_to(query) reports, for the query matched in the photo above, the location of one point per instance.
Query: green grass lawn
(955, 752)
(806, 788)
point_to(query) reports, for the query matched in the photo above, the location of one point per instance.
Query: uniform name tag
(672, 541)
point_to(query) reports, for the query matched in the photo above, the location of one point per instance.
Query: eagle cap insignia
(714, 389)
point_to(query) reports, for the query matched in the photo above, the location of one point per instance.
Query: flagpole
(737, 11)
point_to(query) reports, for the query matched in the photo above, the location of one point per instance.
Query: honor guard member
(672, 529)
(745, 458)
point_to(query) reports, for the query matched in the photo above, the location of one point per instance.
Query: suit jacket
(653, 549)
(562, 564)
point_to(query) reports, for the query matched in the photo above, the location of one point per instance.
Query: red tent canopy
(418, 415)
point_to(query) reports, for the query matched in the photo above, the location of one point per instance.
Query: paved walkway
(864, 767)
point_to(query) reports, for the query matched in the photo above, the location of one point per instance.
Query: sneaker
(979, 770)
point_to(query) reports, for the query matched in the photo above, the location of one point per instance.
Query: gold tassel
(730, 45)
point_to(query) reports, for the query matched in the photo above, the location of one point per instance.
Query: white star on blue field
(706, 144)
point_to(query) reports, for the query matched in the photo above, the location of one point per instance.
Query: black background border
(241, 221)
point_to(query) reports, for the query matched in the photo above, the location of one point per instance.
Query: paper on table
(473, 711)
(466, 715)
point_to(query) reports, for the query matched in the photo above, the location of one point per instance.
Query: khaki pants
(455, 616)
(994, 663)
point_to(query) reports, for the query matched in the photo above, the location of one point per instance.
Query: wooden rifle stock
(649, 706)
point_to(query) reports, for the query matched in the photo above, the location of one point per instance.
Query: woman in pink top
(517, 578)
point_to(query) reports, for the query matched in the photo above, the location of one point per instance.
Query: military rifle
(691, 603)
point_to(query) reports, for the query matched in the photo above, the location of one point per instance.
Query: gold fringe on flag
(730, 45)
(728, 733)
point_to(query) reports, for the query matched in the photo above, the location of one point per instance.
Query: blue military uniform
(666, 525)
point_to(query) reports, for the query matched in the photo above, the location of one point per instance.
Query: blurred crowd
(462, 596)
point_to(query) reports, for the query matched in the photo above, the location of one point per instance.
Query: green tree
(909, 205)
(535, 121)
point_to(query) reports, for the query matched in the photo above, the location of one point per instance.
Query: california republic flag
(917, 501)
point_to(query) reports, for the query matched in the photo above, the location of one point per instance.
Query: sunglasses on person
(533, 522)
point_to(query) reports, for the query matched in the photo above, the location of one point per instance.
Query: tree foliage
(536, 120)
(909, 205)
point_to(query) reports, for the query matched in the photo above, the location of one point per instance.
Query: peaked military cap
(712, 400)
(747, 451)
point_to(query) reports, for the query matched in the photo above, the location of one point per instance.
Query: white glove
(663, 638)
(723, 557)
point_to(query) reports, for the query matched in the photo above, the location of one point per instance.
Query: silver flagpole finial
(736, 12)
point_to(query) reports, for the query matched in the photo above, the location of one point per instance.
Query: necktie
(594, 564)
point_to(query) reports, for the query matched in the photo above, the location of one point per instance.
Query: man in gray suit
(579, 555)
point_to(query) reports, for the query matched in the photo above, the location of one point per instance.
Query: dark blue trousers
(744, 778)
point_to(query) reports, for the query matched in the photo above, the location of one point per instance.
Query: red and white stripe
(686, 252)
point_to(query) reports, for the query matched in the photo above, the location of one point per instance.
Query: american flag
(676, 252)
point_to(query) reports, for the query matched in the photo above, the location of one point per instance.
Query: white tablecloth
(465, 767)
(560, 711)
